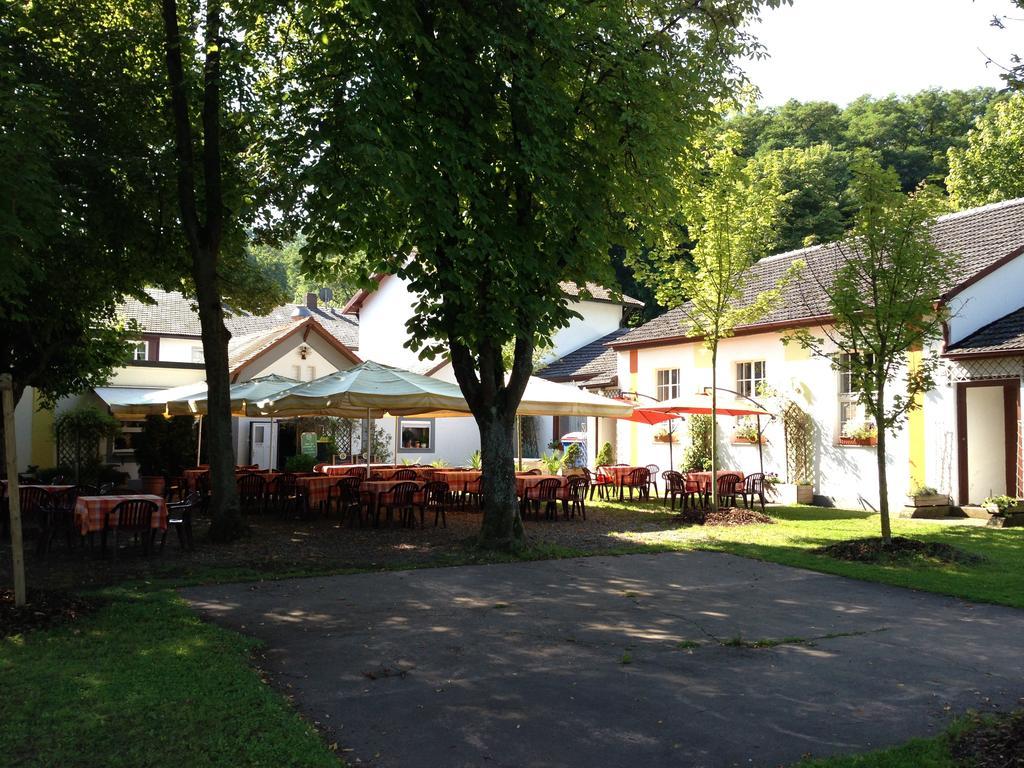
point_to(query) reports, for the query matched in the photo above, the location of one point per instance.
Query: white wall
(599, 319)
(846, 475)
(994, 296)
(382, 319)
(178, 350)
(321, 359)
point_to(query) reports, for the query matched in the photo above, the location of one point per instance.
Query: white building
(301, 342)
(965, 440)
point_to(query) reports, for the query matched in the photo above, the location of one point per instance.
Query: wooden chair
(653, 470)
(252, 491)
(134, 516)
(435, 498)
(574, 497)
(179, 517)
(399, 500)
(545, 492)
(640, 481)
(727, 485)
(753, 487)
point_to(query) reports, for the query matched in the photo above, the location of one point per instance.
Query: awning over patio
(242, 395)
(140, 402)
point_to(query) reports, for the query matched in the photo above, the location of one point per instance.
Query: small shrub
(574, 456)
(605, 456)
(300, 462)
(697, 456)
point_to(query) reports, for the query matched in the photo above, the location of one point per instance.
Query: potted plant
(926, 496)
(664, 436)
(163, 449)
(574, 459)
(475, 460)
(552, 462)
(1006, 511)
(605, 456)
(746, 432)
(863, 434)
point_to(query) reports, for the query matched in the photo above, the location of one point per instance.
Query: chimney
(310, 300)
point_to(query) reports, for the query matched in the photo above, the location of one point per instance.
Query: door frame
(1011, 416)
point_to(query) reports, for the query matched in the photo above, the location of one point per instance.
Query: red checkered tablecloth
(56, 490)
(316, 489)
(91, 511)
(615, 474)
(388, 473)
(703, 479)
(524, 482)
(457, 479)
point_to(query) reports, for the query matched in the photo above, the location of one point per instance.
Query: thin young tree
(731, 212)
(882, 289)
(487, 152)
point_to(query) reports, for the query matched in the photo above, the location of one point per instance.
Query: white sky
(837, 50)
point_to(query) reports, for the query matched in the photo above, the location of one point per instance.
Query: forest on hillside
(811, 145)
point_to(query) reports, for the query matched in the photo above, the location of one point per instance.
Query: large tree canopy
(991, 167)
(487, 152)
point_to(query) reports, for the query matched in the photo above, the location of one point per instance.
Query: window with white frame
(749, 377)
(197, 355)
(416, 435)
(667, 384)
(141, 351)
(124, 443)
(851, 411)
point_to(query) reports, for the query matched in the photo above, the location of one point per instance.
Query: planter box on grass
(792, 493)
(929, 500)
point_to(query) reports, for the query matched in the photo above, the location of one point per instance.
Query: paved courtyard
(643, 660)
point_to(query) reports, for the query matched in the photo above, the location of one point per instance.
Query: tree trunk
(502, 527)
(227, 522)
(883, 482)
(714, 427)
(494, 403)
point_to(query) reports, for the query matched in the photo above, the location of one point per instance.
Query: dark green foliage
(165, 446)
(574, 456)
(697, 456)
(300, 462)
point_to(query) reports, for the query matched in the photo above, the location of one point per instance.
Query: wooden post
(13, 492)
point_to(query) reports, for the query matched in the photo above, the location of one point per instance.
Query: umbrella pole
(199, 442)
(760, 449)
(396, 441)
(519, 440)
(369, 442)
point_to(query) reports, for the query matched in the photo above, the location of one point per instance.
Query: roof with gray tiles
(592, 365)
(173, 313)
(979, 237)
(1003, 337)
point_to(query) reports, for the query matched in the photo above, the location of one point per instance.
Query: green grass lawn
(799, 530)
(144, 682)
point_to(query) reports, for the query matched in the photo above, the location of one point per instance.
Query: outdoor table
(316, 489)
(344, 469)
(56, 490)
(703, 479)
(370, 492)
(457, 479)
(388, 473)
(616, 475)
(91, 511)
(524, 482)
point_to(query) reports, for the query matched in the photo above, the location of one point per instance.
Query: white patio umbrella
(369, 390)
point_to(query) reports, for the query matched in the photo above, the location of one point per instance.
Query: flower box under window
(863, 441)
